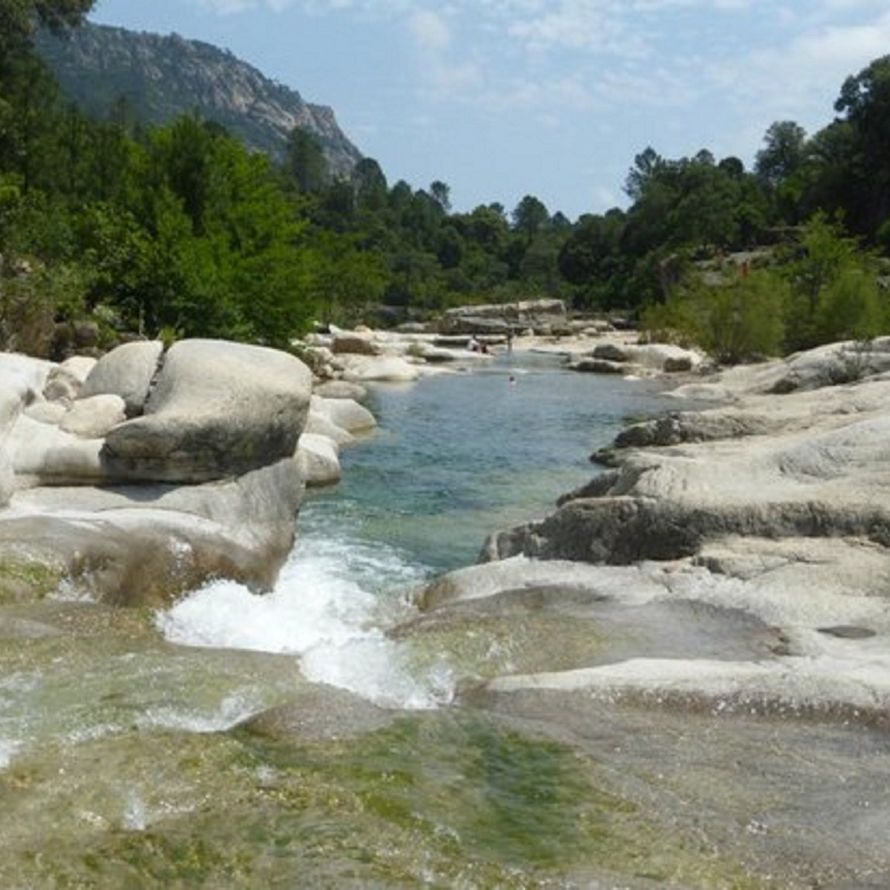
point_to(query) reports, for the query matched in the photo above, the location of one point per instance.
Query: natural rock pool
(196, 747)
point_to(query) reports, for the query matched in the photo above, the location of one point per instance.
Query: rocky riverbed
(731, 568)
(773, 505)
(678, 679)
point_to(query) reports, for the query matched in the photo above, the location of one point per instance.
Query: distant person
(473, 345)
(484, 349)
(509, 339)
(512, 380)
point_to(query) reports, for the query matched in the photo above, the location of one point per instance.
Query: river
(125, 759)
(456, 457)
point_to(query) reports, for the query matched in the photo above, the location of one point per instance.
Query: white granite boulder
(79, 366)
(47, 412)
(390, 369)
(145, 544)
(318, 461)
(41, 452)
(341, 389)
(94, 417)
(217, 409)
(126, 372)
(62, 386)
(353, 344)
(344, 413)
(319, 425)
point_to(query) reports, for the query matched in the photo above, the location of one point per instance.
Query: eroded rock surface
(205, 484)
(774, 505)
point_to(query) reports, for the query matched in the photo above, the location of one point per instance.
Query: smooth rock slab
(136, 545)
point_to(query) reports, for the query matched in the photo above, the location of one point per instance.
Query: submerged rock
(320, 712)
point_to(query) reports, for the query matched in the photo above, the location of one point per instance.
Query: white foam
(135, 816)
(232, 710)
(8, 750)
(323, 611)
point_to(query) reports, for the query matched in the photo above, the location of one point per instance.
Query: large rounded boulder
(217, 409)
(126, 372)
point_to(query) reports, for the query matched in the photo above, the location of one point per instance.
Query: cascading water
(456, 457)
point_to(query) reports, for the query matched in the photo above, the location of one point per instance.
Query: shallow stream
(131, 753)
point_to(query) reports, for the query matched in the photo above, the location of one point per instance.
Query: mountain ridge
(164, 76)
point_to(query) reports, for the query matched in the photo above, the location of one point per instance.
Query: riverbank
(772, 506)
(712, 618)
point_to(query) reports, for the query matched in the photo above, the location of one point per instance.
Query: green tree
(646, 165)
(370, 185)
(441, 195)
(305, 161)
(735, 322)
(834, 292)
(530, 216)
(783, 154)
(348, 280)
(864, 103)
(18, 19)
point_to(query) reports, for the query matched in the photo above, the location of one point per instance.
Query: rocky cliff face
(163, 77)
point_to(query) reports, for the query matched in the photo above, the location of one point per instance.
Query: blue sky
(502, 98)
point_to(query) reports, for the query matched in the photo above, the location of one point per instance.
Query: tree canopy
(180, 229)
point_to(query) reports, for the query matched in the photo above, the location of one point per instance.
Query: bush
(32, 302)
(851, 307)
(740, 321)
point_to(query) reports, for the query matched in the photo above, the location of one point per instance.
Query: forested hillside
(155, 79)
(180, 229)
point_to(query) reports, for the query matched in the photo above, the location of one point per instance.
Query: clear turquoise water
(459, 456)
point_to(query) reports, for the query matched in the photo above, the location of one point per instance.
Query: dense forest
(179, 230)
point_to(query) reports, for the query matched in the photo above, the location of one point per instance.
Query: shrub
(732, 323)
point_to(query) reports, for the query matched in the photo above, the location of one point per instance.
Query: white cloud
(585, 54)
(797, 74)
(605, 198)
(430, 30)
(227, 7)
